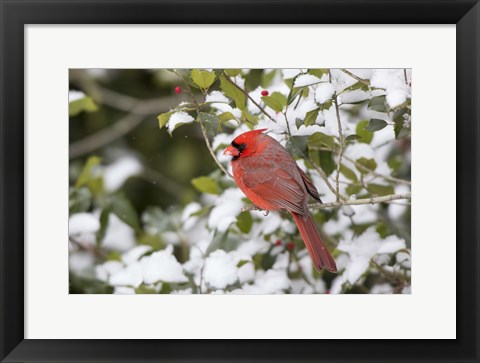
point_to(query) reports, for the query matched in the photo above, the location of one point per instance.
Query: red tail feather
(318, 252)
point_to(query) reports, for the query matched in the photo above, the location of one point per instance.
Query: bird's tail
(317, 250)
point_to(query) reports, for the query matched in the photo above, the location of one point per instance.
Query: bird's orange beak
(231, 151)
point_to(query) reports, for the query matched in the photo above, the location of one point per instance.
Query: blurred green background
(169, 164)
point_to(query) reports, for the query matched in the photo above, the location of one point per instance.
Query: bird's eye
(239, 147)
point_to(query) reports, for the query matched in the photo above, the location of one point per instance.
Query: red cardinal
(272, 180)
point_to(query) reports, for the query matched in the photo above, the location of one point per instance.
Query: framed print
(180, 183)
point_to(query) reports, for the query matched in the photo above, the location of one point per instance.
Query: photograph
(240, 181)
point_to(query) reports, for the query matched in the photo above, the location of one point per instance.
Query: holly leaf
(206, 184)
(203, 79)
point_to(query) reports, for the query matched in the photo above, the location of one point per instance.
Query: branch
(204, 131)
(372, 200)
(138, 111)
(325, 179)
(361, 80)
(209, 146)
(250, 98)
(341, 139)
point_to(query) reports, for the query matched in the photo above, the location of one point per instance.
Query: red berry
(278, 242)
(178, 90)
(264, 92)
(290, 246)
(327, 292)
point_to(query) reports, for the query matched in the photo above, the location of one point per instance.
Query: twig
(209, 146)
(250, 98)
(361, 80)
(138, 111)
(87, 247)
(342, 143)
(325, 179)
(373, 200)
(386, 177)
(204, 131)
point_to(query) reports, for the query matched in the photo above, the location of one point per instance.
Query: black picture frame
(15, 14)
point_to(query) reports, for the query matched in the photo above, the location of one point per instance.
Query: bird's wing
(311, 188)
(279, 183)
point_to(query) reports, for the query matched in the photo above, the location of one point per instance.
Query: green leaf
(124, 210)
(297, 145)
(378, 103)
(318, 72)
(83, 104)
(163, 118)
(79, 200)
(294, 93)
(352, 138)
(185, 74)
(368, 164)
(104, 219)
(218, 240)
(206, 184)
(353, 189)
(326, 106)
(226, 116)
(348, 173)
(327, 163)
(245, 222)
(86, 174)
(376, 124)
(242, 262)
(378, 189)
(253, 79)
(267, 78)
(250, 119)
(232, 92)
(382, 229)
(211, 123)
(233, 72)
(365, 135)
(203, 79)
(356, 86)
(273, 103)
(311, 117)
(142, 289)
(319, 139)
(398, 119)
(280, 98)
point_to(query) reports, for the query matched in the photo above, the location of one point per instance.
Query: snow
(217, 96)
(306, 80)
(162, 266)
(81, 262)
(188, 220)
(130, 276)
(115, 174)
(122, 290)
(220, 269)
(227, 207)
(83, 223)
(291, 72)
(324, 92)
(397, 210)
(134, 254)
(396, 97)
(119, 236)
(282, 261)
(393, 81)
(270, 282)
(359, 150)
(178, 118)
(361, 249)
(106, 269)
(75, 95)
